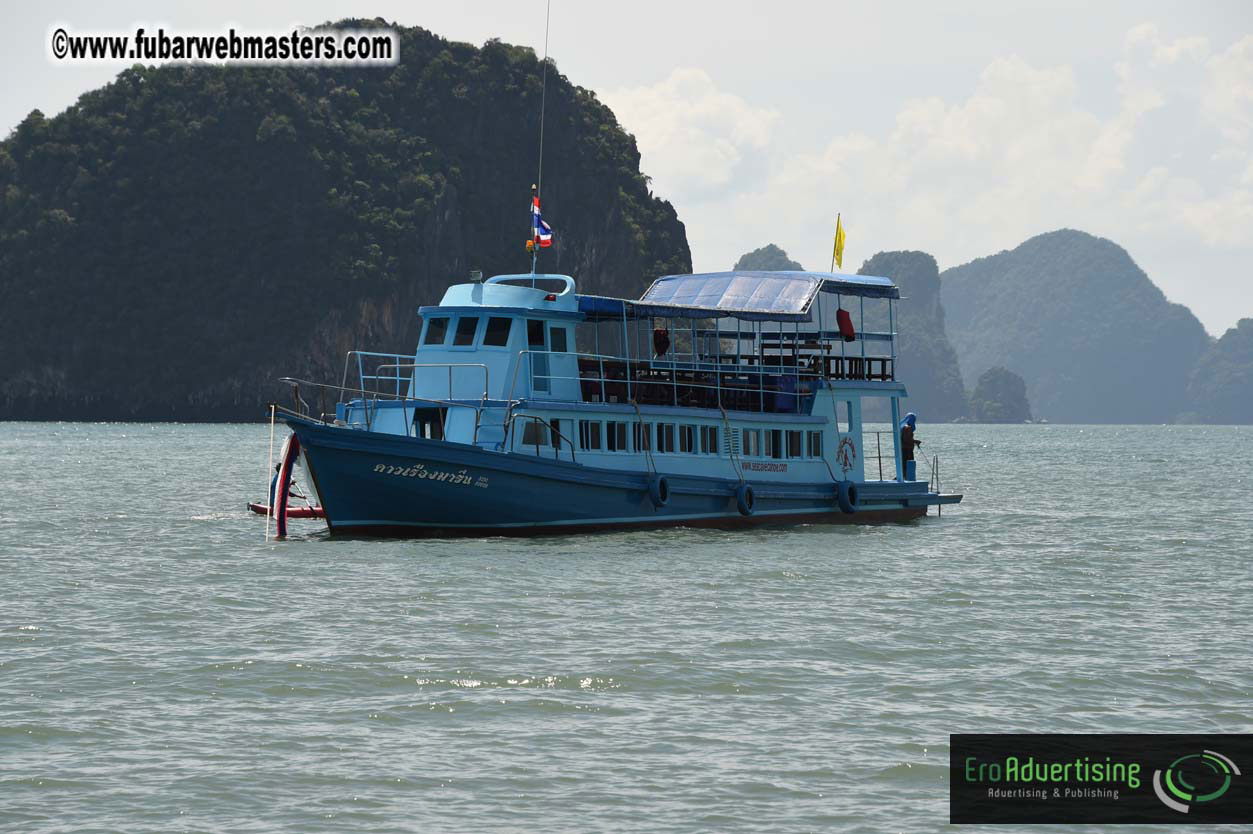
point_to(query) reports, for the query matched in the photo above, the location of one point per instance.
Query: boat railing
(764, 387)
(451, 366)
(881, 457)
(880, 453)
(388, 374)
(369, 403)
(548, 426)
(363, 378)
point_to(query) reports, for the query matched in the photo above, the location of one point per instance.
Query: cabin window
(665, 437)
(815, 444)
(616, 437)
(534, 433)
(557, 339)
(794, 444)
(555, 425)
(687, 439)
(428, 423)
(436, 330)
(751, 447)
(643, 437)
(589, 434)
(466, 325)
(709, 439)
(535, 334)
(496, 334)
(774, 443)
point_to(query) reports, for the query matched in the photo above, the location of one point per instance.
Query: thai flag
(541, 231)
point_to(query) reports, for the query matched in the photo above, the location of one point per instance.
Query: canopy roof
(756, 296)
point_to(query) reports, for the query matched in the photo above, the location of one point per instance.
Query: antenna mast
(543, 100)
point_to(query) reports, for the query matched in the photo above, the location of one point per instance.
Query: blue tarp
(754, 296)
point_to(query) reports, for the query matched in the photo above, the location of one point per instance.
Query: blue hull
(380, 484)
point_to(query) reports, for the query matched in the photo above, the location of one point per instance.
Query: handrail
(448, 365)
(534, 418)
(671, 370)
(449, 403)
(360, 370)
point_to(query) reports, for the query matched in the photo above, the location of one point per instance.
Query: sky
(957, 128)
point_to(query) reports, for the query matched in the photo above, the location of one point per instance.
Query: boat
(725, 399)
(292, 512)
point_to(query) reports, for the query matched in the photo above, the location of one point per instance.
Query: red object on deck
(661, 341)
(845, 321)
(292, 512)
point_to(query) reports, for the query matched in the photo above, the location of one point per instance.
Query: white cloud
(693, 137)
(1167, 172)
(1229, 95)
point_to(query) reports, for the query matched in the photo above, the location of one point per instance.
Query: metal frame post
(896, 438)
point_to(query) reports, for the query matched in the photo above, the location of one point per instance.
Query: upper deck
(745, 341)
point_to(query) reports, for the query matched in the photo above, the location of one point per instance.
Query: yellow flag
(837, 257)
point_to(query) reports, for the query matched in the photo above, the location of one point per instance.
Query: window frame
(750, 443)
(426, 330)
(474, 336)
(665, 439)
(508, 332)
(772, 445)
(794, 441)
(617, 430)
(589, 429)
(709, 440)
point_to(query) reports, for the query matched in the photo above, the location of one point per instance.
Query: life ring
(659, 491)
(745, 501)
(847, 495)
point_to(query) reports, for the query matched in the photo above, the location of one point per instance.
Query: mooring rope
(648, 449)
(733, 452)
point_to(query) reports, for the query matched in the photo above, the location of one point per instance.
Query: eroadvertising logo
(1210, 771)
(1105, 778)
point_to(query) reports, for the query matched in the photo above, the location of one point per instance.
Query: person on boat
(907, 440)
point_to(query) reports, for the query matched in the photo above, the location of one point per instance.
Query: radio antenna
(543, 100)
(543, 95)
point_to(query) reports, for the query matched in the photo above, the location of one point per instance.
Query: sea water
(165, 668)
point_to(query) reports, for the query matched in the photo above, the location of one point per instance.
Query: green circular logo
(1194, 779)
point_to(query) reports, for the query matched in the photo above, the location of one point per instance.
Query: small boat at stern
(722, 399)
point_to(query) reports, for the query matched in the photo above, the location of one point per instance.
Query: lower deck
(374, 483)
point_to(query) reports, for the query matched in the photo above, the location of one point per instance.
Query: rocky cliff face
(927, 363)
(1092, 336)
(1000, 396)
(177, 240)
(1220, 389)
(769, 257)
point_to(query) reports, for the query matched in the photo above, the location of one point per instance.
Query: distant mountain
(768, 257)
(1000, 396)
(926, 361)
(1220, 389)
(1092, 336)
(179, 238)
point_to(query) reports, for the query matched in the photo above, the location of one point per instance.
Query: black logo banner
(1107, 778)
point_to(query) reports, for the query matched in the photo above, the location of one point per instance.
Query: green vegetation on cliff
(926, 362)
(769, 257)
(1220, 389)
(1000, 396)
(1092, 336)
(178, 239)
